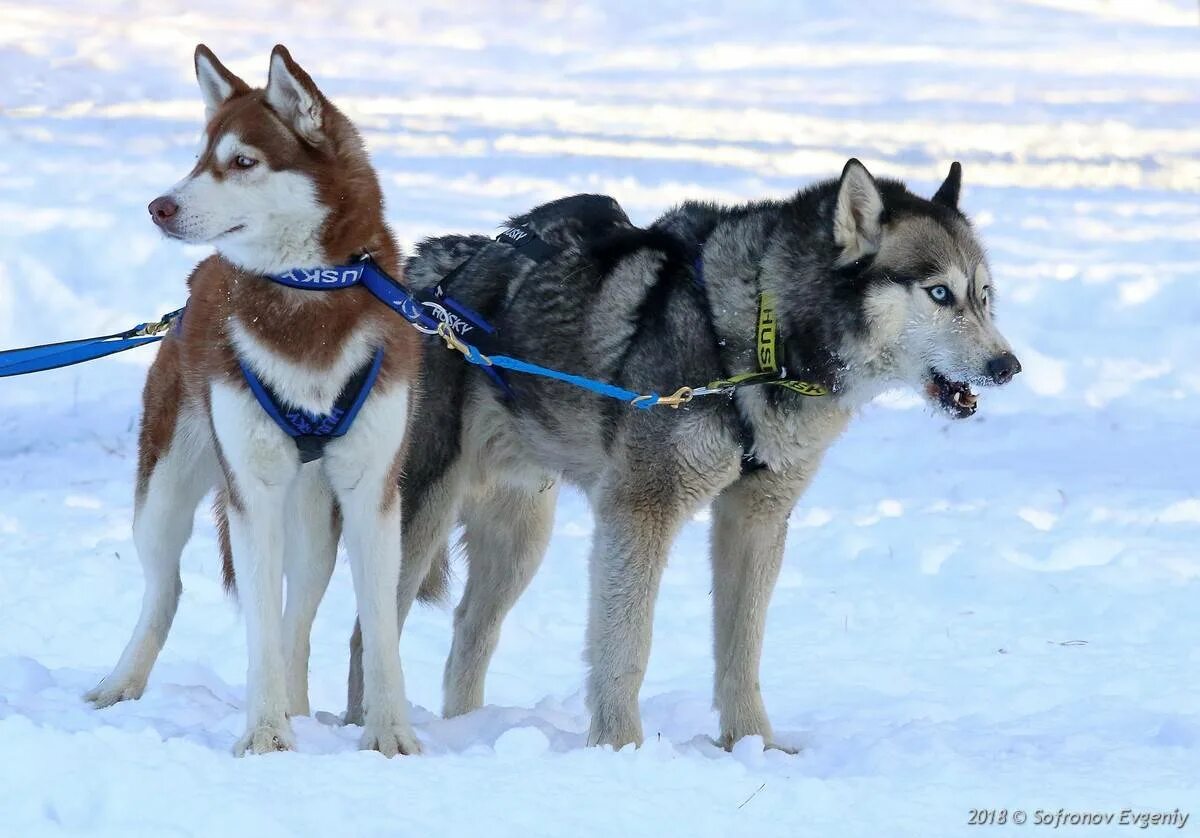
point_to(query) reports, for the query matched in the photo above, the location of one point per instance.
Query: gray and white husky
(871, 287)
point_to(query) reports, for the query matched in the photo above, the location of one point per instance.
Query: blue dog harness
(423, 309)
(426, 309)
(311, 432)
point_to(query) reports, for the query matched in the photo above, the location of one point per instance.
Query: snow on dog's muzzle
(956, 397)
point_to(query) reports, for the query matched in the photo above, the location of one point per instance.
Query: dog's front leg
(750, 520)
(314, 526)
(635, 527)
(261, 463)
(362, 468)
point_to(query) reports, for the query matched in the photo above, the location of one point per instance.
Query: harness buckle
(674, 401)
(152, 329)
(454, 342)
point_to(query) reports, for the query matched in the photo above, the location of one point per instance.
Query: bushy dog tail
(220, 513)
(436, 585)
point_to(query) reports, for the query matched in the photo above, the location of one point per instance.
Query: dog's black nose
(163, 209)
(1003, 367)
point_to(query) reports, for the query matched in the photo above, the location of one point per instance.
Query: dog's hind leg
(176, 468)
(749, 528)
(506, 531)
(425, 534)
(309, 556)
(430, 493)
(411, 577)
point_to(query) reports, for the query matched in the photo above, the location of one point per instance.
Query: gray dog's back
(615, 303)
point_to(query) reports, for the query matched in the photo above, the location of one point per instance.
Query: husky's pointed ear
(292, 94)
(858, 217)
(217, 84)
(947, 194)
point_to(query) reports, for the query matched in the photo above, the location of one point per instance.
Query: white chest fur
(298, 381)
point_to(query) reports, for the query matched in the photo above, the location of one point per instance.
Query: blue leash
(428, 318)
(430, 312)
(639, 400)
(431, 318)
(52, 356)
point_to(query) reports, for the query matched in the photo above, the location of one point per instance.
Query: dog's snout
(163, 209)
(1003, 367)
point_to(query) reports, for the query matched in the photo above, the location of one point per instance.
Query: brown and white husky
(282, 182)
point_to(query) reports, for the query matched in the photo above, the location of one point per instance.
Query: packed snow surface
(994, 614)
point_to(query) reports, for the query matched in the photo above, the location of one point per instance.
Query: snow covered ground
(996, 614)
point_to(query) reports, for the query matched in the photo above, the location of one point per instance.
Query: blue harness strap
(423, 309)
(321, 279)
(311, 432)
(428, 309)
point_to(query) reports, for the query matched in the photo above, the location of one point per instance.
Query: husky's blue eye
(941, 295)
(244, 162)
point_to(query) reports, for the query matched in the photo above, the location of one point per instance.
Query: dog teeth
(962, 399)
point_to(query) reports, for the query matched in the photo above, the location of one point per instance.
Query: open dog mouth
(954, 397)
